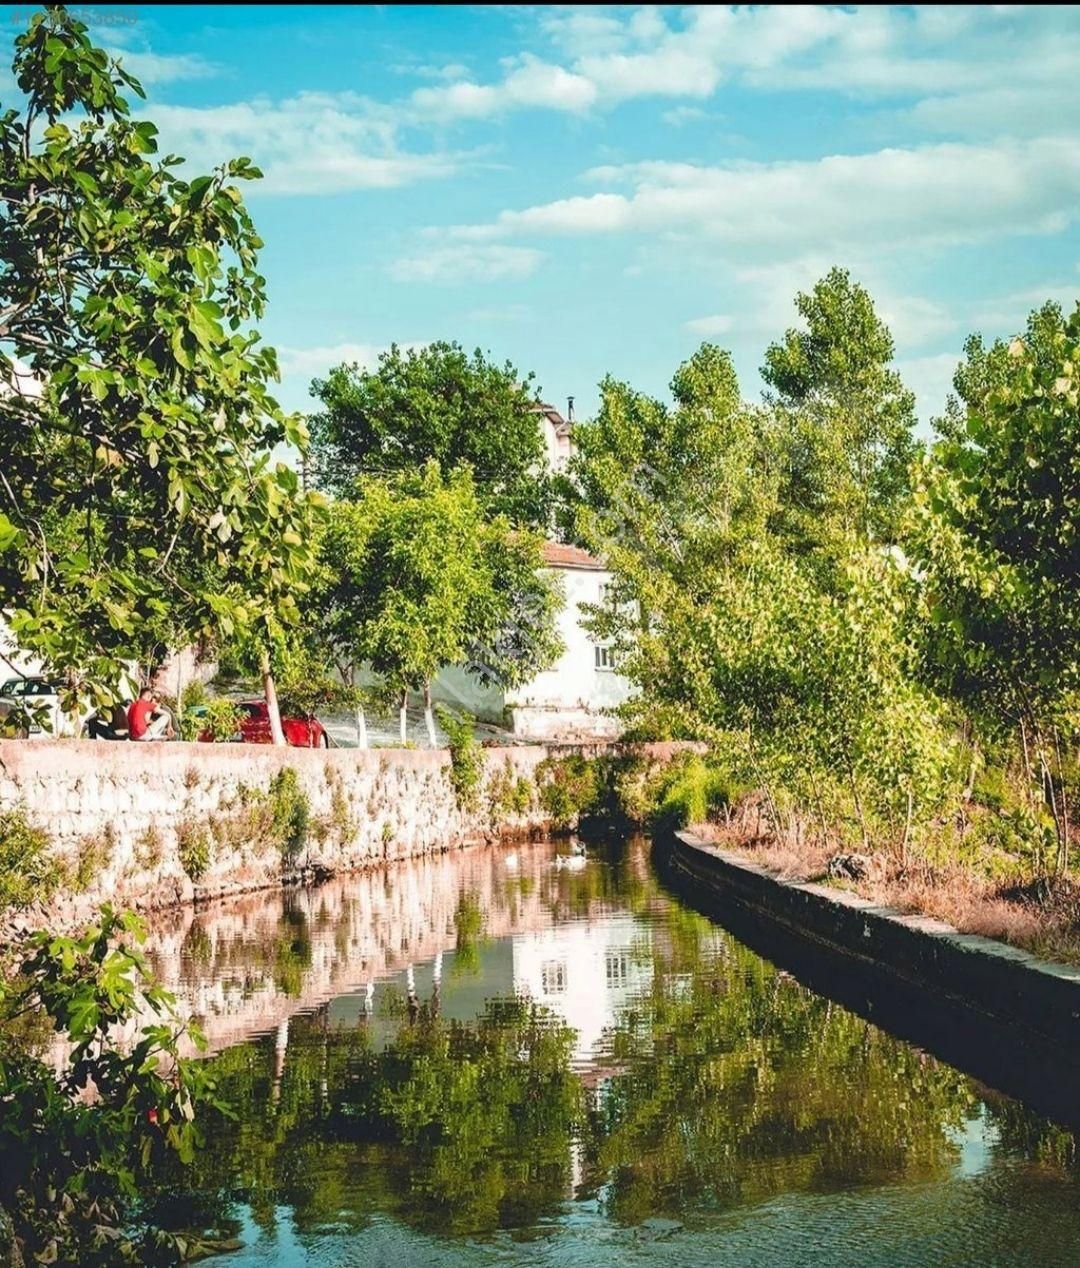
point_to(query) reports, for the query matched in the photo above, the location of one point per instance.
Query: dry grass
(1026, 914)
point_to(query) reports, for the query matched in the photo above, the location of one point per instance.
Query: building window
(605, 658)
(553, 977)
(618, 969)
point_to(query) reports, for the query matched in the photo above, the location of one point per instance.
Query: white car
(38, 701)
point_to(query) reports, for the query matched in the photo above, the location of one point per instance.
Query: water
(523, 1057)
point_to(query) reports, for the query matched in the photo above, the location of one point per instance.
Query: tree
(414, 577)
(845, 417)
(997, 535)
(135, 420)
(71, 1158)
(439, 403)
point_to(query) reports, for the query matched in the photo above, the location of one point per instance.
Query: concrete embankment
(1026, 1010)
(153, 825)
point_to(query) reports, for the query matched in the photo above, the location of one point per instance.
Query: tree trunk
(277, 735)
(429, 717)
(403, 717)
(361, 721)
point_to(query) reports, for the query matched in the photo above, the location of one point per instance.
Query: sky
(595, 190)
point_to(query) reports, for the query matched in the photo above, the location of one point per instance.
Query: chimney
(569, 409)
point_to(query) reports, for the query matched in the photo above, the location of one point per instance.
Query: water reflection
(572, 1056)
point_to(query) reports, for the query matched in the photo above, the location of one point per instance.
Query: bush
(466, 759)
(27, 873)
(220, 717)
(195, 850)
(68, 1181)
(569, 788)
(693, 792)
(291, 811)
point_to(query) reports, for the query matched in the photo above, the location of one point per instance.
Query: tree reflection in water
(720, 1084)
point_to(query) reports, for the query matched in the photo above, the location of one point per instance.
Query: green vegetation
(569, 788)
(195, 849)
(435, 403)
(28, 874)
(466, 757)
(856, 626)
(140, 508)
(72, 1162)
(290, 809)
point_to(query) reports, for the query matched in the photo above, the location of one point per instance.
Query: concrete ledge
(1004, 982)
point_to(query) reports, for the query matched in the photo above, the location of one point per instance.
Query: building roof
(558, 555)
(562, 427)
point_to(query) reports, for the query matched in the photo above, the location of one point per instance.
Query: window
(617, 967)
(605, 658)
(553, 977)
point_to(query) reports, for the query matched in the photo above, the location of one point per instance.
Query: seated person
(147, 720)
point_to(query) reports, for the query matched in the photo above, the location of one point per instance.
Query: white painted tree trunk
(361, 728)
(429, 718)
(403, 718)
(277, 734)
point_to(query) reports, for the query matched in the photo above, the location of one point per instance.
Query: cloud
(530, 82)
(313, 143)
(719, 324)
(970, 70)
(159, 68)
(684, 114)
(507, 313)
(934, 195)
(316, 361)
(466, 263)
(930, 378)
(1007, 315)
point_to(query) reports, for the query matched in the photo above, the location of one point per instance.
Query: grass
(975, 895)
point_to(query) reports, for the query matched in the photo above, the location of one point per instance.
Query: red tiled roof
(557, 555)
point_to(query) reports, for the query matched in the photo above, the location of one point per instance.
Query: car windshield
(253, 710)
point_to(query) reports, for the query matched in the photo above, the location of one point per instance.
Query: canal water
(544, 1057)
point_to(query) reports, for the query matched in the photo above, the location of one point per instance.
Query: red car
(304, 732)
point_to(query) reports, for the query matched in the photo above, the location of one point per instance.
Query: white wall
(574, 683)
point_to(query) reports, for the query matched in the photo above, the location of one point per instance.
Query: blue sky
(593, 190)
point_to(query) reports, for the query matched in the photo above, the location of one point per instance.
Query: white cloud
(930, 378)
(467, 263)
(530, 82)
(684, 114)
(935, 195)
(1007, 315)
(160, 68)
(718, 324)
(314, 362)
(313, 143)
(983, 70)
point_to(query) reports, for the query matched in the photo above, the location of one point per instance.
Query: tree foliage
(74, 1143)
(435, 403)
(138, 499)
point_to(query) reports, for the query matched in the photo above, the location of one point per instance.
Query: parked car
(300, 732)
(37, 701)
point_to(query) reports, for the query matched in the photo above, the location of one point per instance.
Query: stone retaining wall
(1000, 981)
(151, 825)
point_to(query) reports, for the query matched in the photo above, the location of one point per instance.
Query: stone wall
(158, 824)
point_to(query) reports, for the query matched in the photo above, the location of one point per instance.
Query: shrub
(219, 717)
(195, 850)
(466, 759)
(27, 873)
(569, 788)
(291, 811)
(694, 791)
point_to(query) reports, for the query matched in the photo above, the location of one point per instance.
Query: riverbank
(157, 825)
(917, 950)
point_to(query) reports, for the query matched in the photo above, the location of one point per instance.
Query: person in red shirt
(145, 720)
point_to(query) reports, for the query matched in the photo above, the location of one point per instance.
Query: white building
(572, 699)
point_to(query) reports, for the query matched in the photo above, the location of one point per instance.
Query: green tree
(997, 535)
(137, 494)
(845, 418)
(435, 402)
(71, 1159)
(414, 577)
